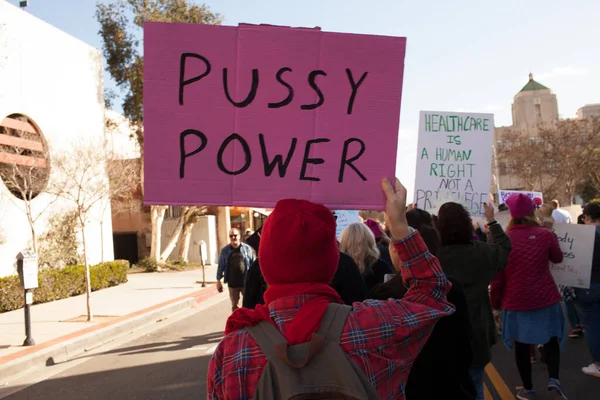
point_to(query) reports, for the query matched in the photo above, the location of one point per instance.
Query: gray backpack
(318, 369)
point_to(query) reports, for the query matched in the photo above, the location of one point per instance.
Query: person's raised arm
(499, 246)
(407, 321)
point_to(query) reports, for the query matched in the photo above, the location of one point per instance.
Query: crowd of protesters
(409, 308)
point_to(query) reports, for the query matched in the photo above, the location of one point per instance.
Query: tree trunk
(175, 235)
(102, 240)
(88, 278)
(184, 242)
(31, 225)
(157, 215)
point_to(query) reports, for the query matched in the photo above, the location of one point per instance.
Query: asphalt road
(575, 384)
(169, 363)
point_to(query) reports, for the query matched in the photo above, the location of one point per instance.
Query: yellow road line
(487, 394)
(501, 388)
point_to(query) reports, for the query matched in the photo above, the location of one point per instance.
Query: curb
(76, 343)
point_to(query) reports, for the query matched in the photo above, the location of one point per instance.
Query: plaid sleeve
(398, 329)
(214, 381)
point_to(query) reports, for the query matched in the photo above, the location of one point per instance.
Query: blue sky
(463, 55)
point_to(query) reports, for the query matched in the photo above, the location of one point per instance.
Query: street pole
(28, 300)
(202, 264)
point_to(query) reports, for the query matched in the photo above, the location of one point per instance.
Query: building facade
(533, 106)
(589, 110)
(52, 96)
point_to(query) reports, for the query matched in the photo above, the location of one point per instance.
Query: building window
(538, 110)
(24, 157)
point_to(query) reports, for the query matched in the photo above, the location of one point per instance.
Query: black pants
(523, 359)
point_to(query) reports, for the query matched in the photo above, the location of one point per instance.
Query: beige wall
(588, 111)
(526, 119)
(525, 112)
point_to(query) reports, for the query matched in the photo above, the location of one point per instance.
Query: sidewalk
(145, 298)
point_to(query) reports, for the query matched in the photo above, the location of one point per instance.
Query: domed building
(533, 106)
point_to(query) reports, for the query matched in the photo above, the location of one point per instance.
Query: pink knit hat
(520, 205)
(374, 227)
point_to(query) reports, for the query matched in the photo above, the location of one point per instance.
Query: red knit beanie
(298, 244)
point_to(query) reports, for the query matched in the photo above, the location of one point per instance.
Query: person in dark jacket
(347, 280)
(474, 264)
(358, 242)
(446, 365)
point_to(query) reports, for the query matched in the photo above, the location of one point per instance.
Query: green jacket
(475, 265)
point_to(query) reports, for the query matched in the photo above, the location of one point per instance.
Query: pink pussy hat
(519, 205)
(374, 227)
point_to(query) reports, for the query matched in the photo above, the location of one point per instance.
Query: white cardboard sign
(577, 244)
(345, 218)
(454, 160)
(537, 197)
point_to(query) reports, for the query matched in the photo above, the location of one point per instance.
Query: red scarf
(307, 319)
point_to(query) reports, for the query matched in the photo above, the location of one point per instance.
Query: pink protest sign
(252, 114)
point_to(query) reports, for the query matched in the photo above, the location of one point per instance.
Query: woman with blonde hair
(358, 241)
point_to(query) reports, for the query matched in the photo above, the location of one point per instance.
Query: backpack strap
(334, 320)
(267, 337)
(274, 345)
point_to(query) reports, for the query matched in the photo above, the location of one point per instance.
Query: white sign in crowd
(454, 156)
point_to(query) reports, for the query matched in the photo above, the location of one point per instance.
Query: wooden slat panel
(8, 158)
(19, 125)
(21, 143)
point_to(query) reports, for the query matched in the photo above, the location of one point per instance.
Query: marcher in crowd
(234, 261)
(381, 339)
(474, 264)
(560, 216)
(532, 313)
(381, 239)
(589, 299)
(347, 282)
(447, 366)
(358, 242)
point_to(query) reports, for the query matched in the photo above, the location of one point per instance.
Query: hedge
(62, 283)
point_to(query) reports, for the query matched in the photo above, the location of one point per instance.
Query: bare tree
(558, 159)
(183, 231)
(25, 169)
(120, 23)
(82, 178)
(523, 157)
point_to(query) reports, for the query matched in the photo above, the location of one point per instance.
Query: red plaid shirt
(382, 337)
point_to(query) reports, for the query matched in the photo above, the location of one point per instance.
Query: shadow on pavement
(183, 343)
(179, 379)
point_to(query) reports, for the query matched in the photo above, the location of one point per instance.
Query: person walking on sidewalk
(380, 339)
(532, 313)
(474, 264)
(234, 261)
(589, 299)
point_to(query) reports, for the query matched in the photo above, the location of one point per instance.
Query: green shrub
(56, 284)
(149, 264)
(594, 201)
